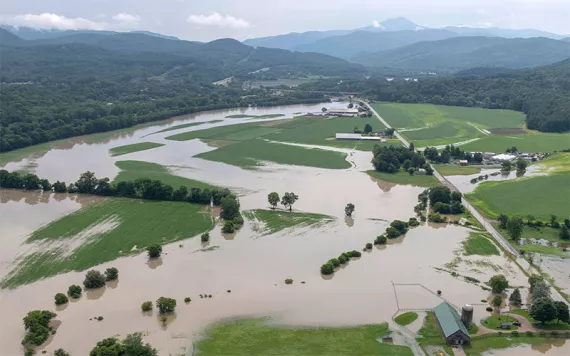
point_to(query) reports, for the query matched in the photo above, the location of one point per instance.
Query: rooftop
(449, 320)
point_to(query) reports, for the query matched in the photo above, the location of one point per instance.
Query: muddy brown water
(554, 347)
(252, 266)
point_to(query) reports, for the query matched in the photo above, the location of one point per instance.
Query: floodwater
(554, 347)
(253, 267)
(464, 185)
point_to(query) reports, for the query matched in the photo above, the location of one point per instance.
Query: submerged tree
(273, 199)
(154, 250)
(94, 279)
(165, 305)
(498, 283)
(349, 209)
(289, 199)
(497, 302)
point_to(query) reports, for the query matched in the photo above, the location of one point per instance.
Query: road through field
(500, 239)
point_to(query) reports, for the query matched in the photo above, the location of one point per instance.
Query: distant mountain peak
(399, 24)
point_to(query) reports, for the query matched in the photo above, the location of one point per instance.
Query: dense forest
(541, 93)
(86, 83)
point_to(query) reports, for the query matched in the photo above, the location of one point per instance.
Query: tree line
(142, 188)
(514, 225)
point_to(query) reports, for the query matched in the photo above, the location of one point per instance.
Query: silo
(467, 315)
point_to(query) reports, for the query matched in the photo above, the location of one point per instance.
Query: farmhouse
(343, 112)
(453, 329)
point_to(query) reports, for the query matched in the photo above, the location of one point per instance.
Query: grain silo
(467, 315)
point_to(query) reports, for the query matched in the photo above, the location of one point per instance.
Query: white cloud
(54, 21)
(377, 24)
(217, 20)
(124, 17)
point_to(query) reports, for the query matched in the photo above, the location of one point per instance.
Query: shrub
(165, 305)
(380, 240)
(74, 291)
(413, 222)
(61, 352)
(238, 221)
(99, 318)
(327, 269)
(36, 322)
(438, 292)
(94, 279)
(354, 253)
(228, 227)
(554, 333)
(343, 259)
(483, 300)
(471, 279)
(368, 246)
(205, 237)
(187, 300)
(334, 261)
(60, 299)
(209, 296)
(489, 309)
(146, 306)
(392, 232)
(154, 250)
(454, 274)
(436, 218)
(515, 333)
(111, 274)
(288, 281)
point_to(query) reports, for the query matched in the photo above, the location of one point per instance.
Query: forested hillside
(541, 93)
(87, 82)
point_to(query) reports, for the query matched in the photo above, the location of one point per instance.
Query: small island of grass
(277, 220)
(245, 116)
(405, 178)
(406, 318)
(136, 147)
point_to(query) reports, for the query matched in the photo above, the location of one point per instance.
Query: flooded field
(244, 272)
(554, 347)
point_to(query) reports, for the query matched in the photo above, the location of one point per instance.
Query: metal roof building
(454, 331)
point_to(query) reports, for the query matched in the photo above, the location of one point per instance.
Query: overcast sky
(210, 19)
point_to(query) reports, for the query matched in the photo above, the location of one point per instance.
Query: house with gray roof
(453, 329)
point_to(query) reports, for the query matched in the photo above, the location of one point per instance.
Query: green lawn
(141, 146)
(251, 337)
(531, 142)
(106, 231)
(132, 170)
(405, 178)
(191, 124)
(406, 318)
(479, 244)
(494, 321)
(483, 346)
(551, 325)
(431, 334)
(250, 154)
(539, 196)
(454, 170)
(242, 116)
(543, 250)
(439, 125)
(277, 220)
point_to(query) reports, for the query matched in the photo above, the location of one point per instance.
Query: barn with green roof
(454, 331)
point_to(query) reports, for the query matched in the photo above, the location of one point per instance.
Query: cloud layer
(58, 22)
(217, 20)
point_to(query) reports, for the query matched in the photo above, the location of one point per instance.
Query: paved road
(498, 237)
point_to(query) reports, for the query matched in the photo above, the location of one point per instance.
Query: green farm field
(405, 178)
(103, 232)
(454, 170)
(277, 220)
(539, 195)
(479, 244)
(243, 116)
(191, 124)
(530, 142)
(132, 170)
(136, 147)
(251, 337)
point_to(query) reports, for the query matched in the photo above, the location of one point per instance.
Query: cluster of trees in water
(541, 93)
(391, 158)
(515, 224)
(543, 308)
(143, 188)
(442, 201)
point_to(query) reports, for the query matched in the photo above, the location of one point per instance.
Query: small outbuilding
(463, 162)
(453, 329)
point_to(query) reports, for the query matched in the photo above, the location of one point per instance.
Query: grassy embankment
(136, 147)
(245, 147)
(245, 116)
(479, 244)
(406, 318)
(277, 220)
(103, 232)
(405, 178)
(435, 125)
(539, 196)
(132, 170)
(456, 170)
(183, 126)
(251, 337)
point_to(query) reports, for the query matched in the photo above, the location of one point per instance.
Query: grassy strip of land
(141, 146)
(103, 232)
(538, 196)
(431, 335)
(105, 135)
(457, 170)
(550, 325)
(237, 132)
(132, 170)
(405, 178)
(494, 321)
(406, 318)
(251, 154)
(530, 142)
(183, 126)
(277, 220)
(479, 244)
(245, 116)
(251, 337)
(483, 346)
